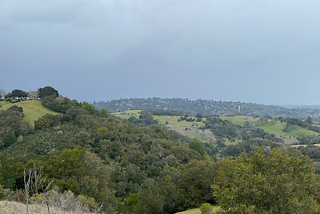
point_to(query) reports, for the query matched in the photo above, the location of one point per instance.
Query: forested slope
(127, 167)
(100, 161)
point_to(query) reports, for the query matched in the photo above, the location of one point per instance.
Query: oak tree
(279, 183)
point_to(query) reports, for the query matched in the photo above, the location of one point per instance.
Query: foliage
(197, 146)
(279, 183)
(47, 91)
(131, 168)
(206, 208)
(205, 107)
(19, 93)
(46, 121)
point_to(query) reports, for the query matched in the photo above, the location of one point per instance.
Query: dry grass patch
(11, 207)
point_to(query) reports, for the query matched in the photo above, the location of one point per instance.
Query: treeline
(206, 107)
(18, 94)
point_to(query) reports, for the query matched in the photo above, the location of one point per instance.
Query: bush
(206, 209)
(1, 192)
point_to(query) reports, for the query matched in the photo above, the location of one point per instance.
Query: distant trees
(15, 93)
(19, 93)
(197, 146)
(2, 93)
(47, 91)
(198, 115)
(33, 94)
(8, 95)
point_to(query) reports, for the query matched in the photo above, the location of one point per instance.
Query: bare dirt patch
(193, 132)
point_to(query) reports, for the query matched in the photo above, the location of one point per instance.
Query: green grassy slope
(32, 110)
(3, 103)
(277, 127)
(191, 130)
(197, 211)
(127, 114)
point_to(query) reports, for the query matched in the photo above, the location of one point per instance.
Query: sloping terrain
(191, 129)
(32, 110)
(8, 207)
(197, 211)
(206, 107)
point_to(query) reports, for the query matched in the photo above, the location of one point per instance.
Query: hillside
(141, 164)
(206, 107)
(190, 129)
(102, 160)
(32, 109)
(198, 131)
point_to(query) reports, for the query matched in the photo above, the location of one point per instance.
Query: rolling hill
(206, 107)
(191, 129)
(32, 109)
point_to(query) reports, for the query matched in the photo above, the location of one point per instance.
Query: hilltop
(206, 107)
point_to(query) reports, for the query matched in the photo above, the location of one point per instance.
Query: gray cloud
(265, 52)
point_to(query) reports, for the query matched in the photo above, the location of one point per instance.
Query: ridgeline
(206, 107)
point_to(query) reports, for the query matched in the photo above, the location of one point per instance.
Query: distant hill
(32, 109)
(194, 129)
(206, 107)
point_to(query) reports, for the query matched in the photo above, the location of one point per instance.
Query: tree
(15, 108)
(19, 93)
(206, 209)
(47, 91)
(278, 183)
(199, 115)
(197, 146)
(8, 95)
(46, 121)
(33, 94)
(2, 93)
(90, 108)
(34, 182)
(309, 120)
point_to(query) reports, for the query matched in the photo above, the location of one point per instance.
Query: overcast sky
(96, 50)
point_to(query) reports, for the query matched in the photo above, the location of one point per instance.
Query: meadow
(32, 109)
(197, 210)
(276, 128)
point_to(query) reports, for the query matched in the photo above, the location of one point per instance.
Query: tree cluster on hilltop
(41, 93)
